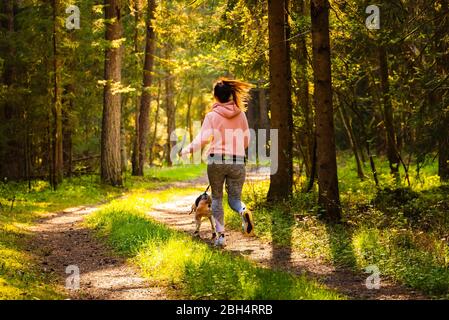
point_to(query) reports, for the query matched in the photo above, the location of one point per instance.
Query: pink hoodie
(228, 127)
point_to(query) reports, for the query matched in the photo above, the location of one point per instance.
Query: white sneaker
(220, 241)
(247, 223)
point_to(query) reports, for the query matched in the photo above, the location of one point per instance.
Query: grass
(19, 277)
(403, 230)
(189, 267)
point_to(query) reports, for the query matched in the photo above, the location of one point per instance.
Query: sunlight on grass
(18, 279)
(402, 230)
(171, 258)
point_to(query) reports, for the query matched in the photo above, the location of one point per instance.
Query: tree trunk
(111, 172)
(67, 129)
(27, 152)
(264, 120)
(350, 134)
(135, 153)
(58, 161)
(392, 152)
(170, 108)
(306, 139)
(156, 120)
(49, 152)
(145, 103)
(328, 197)
(123, 153)
(281, 182)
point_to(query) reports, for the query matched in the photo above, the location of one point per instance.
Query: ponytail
(225, 89)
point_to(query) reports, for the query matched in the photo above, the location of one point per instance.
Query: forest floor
(62, 239)
(265, 254)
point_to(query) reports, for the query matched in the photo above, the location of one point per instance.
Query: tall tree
(304, 134)
(156, 121)
(281, 182)
(170, 108)
(392, 151)
(57, 171)
(328, 197)
(145, 102)
(111, 172)
(135, 153)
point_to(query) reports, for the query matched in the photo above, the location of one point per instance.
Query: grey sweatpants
(233, 175)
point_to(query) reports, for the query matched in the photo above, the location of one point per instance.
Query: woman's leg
(216, 176)
(234, 183)
(235, 178)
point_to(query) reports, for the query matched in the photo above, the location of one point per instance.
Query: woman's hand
(184, 152)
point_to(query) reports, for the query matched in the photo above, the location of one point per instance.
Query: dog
(202, 209)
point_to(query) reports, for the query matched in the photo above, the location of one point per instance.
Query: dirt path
(61, 241)
(174, 214)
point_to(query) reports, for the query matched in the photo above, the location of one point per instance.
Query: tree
(136, 63)
(143, 128)
(328, 197)
(170, 108)
(280, 99)
(392, 152)
(304, 136)
(111, 172)
(57, 165)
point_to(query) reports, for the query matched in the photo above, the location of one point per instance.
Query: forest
(96, 98)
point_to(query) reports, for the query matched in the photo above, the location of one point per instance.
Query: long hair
(225, 89)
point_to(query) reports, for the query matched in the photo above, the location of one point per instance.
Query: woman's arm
(201, 139)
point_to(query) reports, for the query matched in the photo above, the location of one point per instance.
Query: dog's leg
(198, 226)
(212, 224)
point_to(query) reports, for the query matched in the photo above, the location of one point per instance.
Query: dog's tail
(207, 189)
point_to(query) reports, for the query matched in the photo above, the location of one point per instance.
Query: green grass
(174, 260)
(402, 230)
(19, 278)
(159, 176)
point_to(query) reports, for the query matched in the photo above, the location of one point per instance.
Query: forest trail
(265, 254)
(61, 240)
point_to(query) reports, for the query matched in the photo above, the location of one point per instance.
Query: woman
(227, 126)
